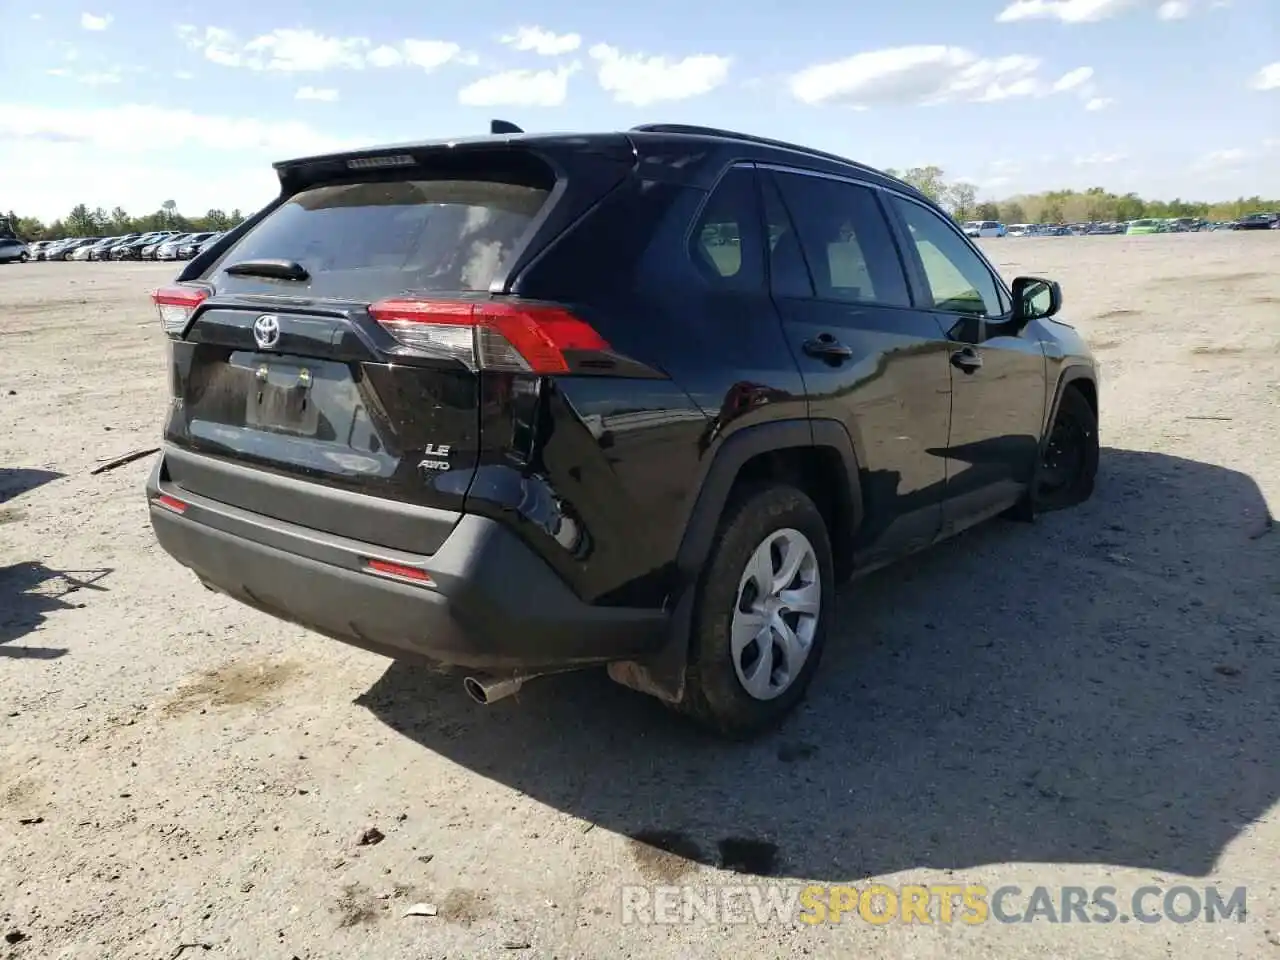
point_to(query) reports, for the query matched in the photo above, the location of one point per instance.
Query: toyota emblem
(266, 331)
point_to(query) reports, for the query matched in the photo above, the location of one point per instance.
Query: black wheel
(1069, 461)
(761, 614)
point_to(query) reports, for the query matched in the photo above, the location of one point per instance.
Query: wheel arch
(1083, 378)
(778, 450)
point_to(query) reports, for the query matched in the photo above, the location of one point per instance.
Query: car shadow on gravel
(29, 592)
(1096, 688)
(15, 481)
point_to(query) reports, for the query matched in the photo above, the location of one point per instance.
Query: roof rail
(696, 131)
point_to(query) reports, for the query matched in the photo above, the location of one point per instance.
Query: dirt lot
(1091, 700)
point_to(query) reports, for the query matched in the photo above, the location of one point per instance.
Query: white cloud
(1068, 11)
(91, 22)
(218, 46)
(1091, 11)
(543, 42)
(640, 80)
(201, 161)
(305, 51)
(899, 76)
(520, 88)
(429, 54)
(131, 128)
(1099, 159)
(1073, 79)
(385, 56)
(296, 51)
(1268, 78)
(90, 79)
(1098, 103)
(1224, 158)
(326, 94)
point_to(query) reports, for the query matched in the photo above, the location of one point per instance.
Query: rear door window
(845, 239)
(725, 244)
(365, 241)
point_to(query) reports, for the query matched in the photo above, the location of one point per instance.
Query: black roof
(644, 143)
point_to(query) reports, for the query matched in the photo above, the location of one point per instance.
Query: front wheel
(762, 611)
(1069, 463)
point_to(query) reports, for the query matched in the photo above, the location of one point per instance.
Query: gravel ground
(1089, 700)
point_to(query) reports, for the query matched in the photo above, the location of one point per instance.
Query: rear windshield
(365, 241)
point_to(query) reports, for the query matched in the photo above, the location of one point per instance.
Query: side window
(959, 281)
(788, 275)
(725, 245)
(846, 241)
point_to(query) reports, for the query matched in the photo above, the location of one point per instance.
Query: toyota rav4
(529, 403)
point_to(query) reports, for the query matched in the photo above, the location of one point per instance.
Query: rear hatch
(339, 346)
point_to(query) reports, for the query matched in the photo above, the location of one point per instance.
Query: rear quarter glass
(369, 240)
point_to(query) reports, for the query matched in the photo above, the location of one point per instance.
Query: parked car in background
(210, 240)
(167, 249)
(1143, 226)
(149, 250)
(985, 228)
(1019, 229)
(38, 248)
(1255, 221)
(191, 246)
(132, 249)
(13, 250)
(174, 249)
(70, 248)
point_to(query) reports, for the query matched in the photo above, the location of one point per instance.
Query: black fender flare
(1068, 375)
(663, 674)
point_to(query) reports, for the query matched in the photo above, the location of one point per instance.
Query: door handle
(968, 360)
(827, 347)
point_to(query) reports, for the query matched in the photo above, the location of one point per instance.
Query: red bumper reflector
(169, 503)
(397, 570)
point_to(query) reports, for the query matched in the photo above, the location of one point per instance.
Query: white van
(984, 228)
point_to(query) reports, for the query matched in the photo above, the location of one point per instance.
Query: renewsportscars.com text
(970, 904)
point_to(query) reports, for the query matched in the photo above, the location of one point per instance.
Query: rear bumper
(492, 604)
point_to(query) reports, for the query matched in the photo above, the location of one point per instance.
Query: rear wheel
(761, 614)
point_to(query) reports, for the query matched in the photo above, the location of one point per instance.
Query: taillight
(397, 571)
(172, 504)
(176, 305)
(528, 338)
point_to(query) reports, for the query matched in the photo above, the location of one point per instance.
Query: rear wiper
(275, 269)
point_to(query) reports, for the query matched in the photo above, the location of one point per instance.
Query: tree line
(1096, 204)
(958, 197)
(83, 222)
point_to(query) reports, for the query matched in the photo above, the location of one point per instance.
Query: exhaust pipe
(487, 690)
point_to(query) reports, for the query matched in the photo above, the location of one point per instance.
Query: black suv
(524, 404)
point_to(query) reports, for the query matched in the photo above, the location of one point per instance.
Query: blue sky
(116, 104)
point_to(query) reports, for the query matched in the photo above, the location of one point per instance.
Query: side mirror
(1035, 298)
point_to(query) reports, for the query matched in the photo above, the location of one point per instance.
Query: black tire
(1069, 462)
(714, 695)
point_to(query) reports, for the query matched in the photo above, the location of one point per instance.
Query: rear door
(333, 371)
(868, 358)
